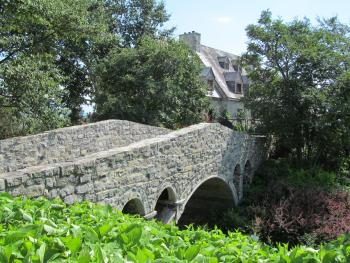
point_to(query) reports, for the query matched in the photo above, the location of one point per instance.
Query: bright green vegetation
(49, 231)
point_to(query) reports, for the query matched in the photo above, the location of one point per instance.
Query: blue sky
(222, 23)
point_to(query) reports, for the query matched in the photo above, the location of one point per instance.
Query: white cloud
(223, 19)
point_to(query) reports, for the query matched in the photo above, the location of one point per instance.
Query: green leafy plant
(40, 230)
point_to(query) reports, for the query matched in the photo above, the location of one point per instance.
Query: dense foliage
(136, 19)
(49, 231)
(157, 83)
(300, 87)
(49, 52)
(292, 205)
(45, 51)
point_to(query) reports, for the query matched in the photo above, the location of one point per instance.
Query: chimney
(192, 40)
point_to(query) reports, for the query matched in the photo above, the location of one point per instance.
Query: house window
(224, 62)
(224, 65)
(239, 88)
(210, 84)
(231, 85)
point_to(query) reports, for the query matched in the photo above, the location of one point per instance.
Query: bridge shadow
(212, 198)
(165, 208)
(134, 207)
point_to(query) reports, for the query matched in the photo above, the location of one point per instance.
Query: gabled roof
(210, 58)
(215, 94)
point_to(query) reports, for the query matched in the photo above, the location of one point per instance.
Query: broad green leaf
(50, 230)
(84, 256)
(192, 252)
(134, 233)
(90, 235)
(104, 229)
(41, 252)
(144, 255)
(57, 206)
(100, 255)
(26, 216)
(73, 244)
(3, 257)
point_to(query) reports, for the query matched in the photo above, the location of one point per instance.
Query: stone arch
(212, 195)
(134, 193)
(165, 205)
(134, 207)
(248, 173)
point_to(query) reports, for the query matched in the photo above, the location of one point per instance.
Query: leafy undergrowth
(294, 205)
(49, 231)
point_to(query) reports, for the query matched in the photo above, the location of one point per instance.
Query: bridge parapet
(70, 143)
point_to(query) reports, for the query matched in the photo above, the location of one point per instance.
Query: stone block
(68, 190)
(36, 191)
(50, 182)
(15, 179)
(18, 190)
(53, 193)
(85, 188)
(85, 178)
(90, 197)
(71, 199)
(62, 182)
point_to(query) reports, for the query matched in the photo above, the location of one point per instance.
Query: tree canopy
(136, 19)
(300, 88)
(45, 51)
(49, 51)
(157, 83)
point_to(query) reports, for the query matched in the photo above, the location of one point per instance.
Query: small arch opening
(166, 211)
(208, 203)
(134, 207)
(248, 175)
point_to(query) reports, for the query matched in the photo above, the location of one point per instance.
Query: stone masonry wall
(67, 144)
(181, 160)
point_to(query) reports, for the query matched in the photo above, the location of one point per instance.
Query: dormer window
(223, 65)
(231, 85)
(238, 88)
(224, 62)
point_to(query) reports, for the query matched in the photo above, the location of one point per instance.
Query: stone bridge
(140, 169)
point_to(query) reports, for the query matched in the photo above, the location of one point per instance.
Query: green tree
(295, 73)
(47, 49)
(157, 83)
(134, 19)
(30, 96)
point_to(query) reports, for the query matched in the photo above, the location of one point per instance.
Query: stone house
(227, 81)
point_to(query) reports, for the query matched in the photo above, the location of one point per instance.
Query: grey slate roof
(232, 76)
(210, 58)
(208, 73)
